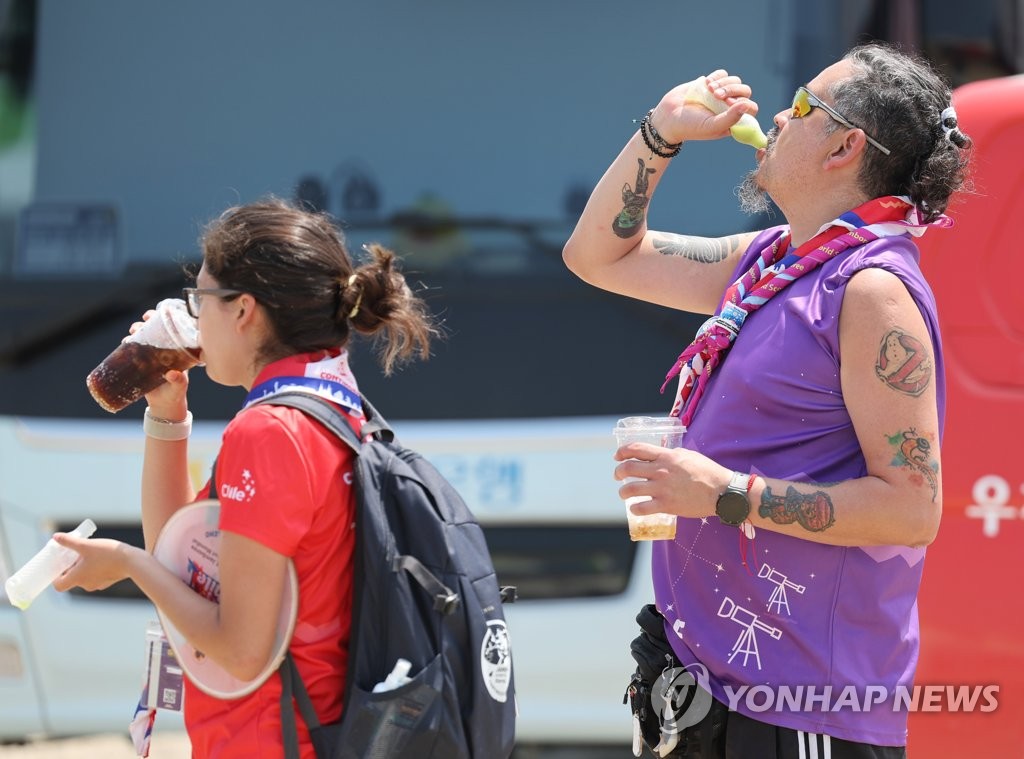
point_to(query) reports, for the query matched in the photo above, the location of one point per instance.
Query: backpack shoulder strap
(331, 417)
(293, 687)
(376, 424)
(324, 412)
(293, 690)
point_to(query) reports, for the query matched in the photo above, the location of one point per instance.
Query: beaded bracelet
(670, 149)
(165, 429)
(656, 136)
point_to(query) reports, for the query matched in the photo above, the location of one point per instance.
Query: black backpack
(424, 590)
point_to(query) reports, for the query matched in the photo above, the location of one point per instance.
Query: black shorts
(736, 736)
(746, 738)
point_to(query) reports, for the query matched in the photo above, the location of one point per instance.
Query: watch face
(733, 507)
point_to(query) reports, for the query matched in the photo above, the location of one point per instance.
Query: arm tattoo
(813, 511)
(914, 452)
(629, 220)
(904, 363)
(705, 250)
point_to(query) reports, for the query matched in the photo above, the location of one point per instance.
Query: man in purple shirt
(809, 482)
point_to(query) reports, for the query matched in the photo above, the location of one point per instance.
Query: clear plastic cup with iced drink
(169, 339)
(664, 431)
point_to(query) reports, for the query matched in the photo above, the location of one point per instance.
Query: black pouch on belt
(653, 655)
(693, 726)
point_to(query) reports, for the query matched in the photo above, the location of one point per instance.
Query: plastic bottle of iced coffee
(42, 569)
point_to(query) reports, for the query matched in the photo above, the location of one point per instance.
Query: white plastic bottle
(746, 130)
(42, 569)
(398, 677)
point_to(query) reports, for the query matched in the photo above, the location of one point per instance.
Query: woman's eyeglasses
(804, 101)
(194, 297)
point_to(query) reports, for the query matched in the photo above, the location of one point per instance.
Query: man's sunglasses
(804, 101)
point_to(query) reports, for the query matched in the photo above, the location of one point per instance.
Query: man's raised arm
(613, 249)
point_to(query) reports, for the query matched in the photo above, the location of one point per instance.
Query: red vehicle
(972, 603)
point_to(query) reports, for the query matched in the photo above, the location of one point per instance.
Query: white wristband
(165, 429)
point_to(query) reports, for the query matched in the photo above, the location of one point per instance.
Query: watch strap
(737, 490)
(741, 482)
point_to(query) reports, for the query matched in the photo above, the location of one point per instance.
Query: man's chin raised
(752, 195)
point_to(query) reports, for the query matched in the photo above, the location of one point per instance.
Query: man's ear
(848, 151)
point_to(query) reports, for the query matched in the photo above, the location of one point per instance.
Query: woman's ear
(245, 310)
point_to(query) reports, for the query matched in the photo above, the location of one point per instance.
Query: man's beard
(753, 198)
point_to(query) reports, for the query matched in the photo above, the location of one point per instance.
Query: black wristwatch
(733, 505)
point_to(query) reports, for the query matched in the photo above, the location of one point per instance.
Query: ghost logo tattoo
(904, 363)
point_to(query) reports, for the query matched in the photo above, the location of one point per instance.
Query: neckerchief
(325, 374)
(773, 270)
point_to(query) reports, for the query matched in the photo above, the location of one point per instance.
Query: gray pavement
(166, 745)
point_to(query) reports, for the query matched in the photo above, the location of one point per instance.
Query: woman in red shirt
(277, 298)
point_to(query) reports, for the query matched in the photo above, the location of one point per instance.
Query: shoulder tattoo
(903, 363)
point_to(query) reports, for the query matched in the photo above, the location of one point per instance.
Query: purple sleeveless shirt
(805, 615)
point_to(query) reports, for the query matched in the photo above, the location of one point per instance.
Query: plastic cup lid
(179, 324)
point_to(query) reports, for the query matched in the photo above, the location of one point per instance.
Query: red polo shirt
(284, 481)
